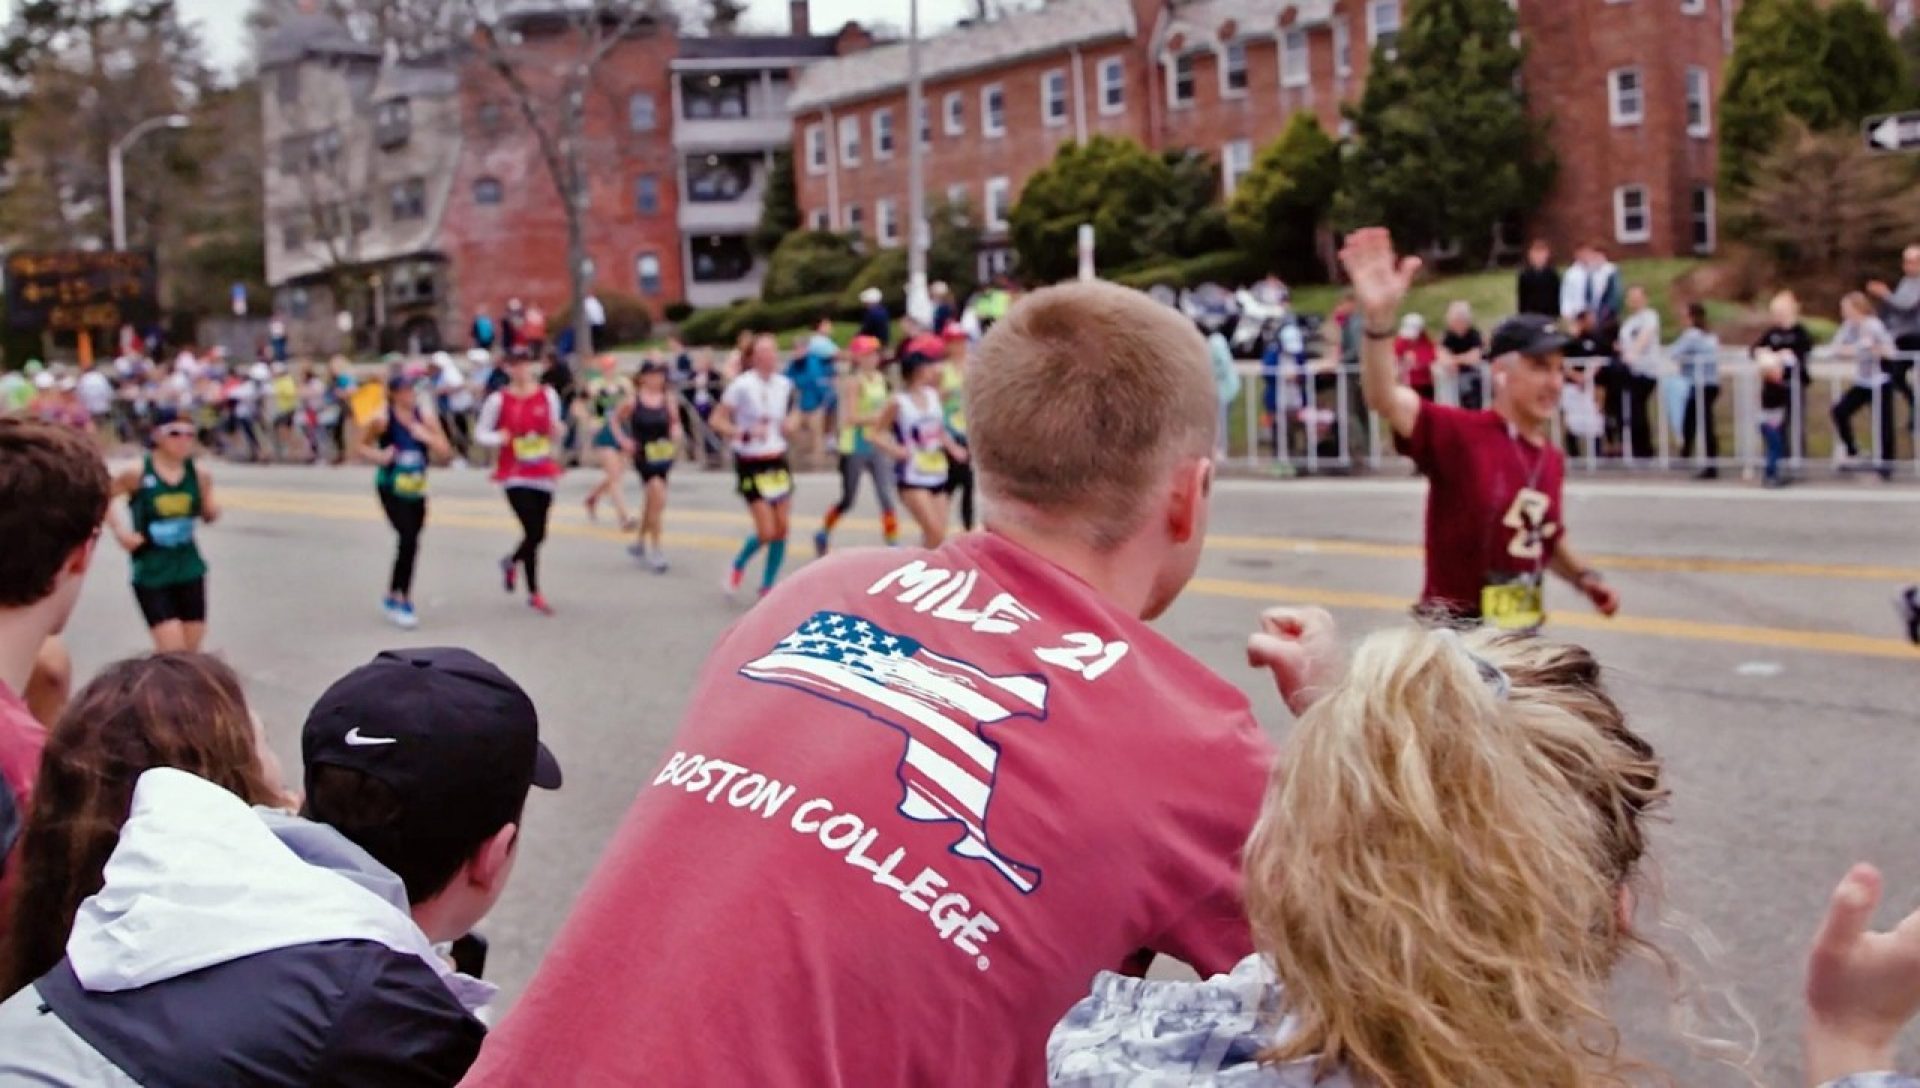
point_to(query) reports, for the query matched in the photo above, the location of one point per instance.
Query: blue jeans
(1774, 435)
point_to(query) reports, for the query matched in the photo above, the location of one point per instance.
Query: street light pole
(919, 306)
(116, 171)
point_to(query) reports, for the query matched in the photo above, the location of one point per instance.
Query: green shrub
(810, 262)
(629, 319)
(677, 311)
(886, 270)
(710, 326)
(722, 324)
(1229, 268)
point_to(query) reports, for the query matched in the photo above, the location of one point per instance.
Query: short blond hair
(1080, 397)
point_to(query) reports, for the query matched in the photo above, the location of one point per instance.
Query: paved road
(1758, 651)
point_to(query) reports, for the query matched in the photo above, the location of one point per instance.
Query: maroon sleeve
(1435, 430)
(1209, 929)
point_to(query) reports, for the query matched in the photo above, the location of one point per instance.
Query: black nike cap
(1527, 334)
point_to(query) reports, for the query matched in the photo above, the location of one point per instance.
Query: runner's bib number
(410, 474)
(773, 484)
(658, 451)
(170, 532)
(532, 447)
(930, 463)
(1514, 607)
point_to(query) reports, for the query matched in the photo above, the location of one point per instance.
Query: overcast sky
(222, 23)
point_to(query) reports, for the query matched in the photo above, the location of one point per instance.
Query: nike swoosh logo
(355, 739)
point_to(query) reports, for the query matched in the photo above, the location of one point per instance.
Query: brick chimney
(799, 18)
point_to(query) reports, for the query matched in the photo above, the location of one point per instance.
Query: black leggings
(960, 483)
(530, 505)
(1862, 397)
(408, 517)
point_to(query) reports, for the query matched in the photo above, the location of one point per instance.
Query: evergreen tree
(1444, 149)
(1112, 183)
(1864, 65)
(1281, 204)
(780, 208)
(1777, 71)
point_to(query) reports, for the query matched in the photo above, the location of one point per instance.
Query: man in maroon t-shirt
(53, 495)
(920, 798)
(1494, 522)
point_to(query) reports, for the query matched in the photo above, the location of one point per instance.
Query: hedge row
(723, 324)
(1228, 268)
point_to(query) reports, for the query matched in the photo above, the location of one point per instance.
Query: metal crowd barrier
(1309, 418)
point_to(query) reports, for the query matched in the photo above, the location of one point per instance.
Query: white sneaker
(657, 561)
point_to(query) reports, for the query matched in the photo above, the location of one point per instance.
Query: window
(1632, 218)
(1342, 48)
(486, 191)
(849, 141)
(856, 222)
(1703, 221)
(1699, 105)
(1236, 158)
(1294, 62)
(286, 83)
(955, 114)
(999, 202)
(1693, 7)
(1383, 24)
(1113, 85)
(886, 222)
(1180, 84)
(323, 150)
(646, 271)
(957, 195)
(293, 152)
(926, 123)
(1233, 69)
(721, 258)
(883, 134)
(393, 123)
(293, 234)
(719, 177)
(993, 110)
(716, 96)
(641, 113)
(816, 148)
(1625, 103)
(408, 199)
(491, 118)
(646, 194)
(299, 302)
(1053, 98)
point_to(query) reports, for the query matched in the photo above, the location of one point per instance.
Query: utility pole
(919, 305)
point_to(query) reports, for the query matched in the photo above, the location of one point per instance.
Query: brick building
(1628, 84)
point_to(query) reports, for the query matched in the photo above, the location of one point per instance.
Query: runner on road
(401, 440)
(919, 798)
(609, 399)
(863, 397)
(913, 432)
(167, 496)
(1494, 522)
(653, 436)
(953, 392)
(757, 415)
(525, 423)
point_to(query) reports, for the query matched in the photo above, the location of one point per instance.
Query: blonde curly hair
(1437, 873)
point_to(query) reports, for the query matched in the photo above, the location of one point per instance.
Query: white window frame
(993, 122)
(886, 222)
(883, 133)
(1048, 80)
(1624, 234)
(816, 139)
(1342, 47)
(1709, 216)
(851, 220)
(1617, 113)
(1113, 77)
(640, 277)
(1702, 128)
(990, 215)
(1375, 31)
(953, 115)
(1223, 60)
(849, 141)
(1693, 7)
(818, 219)
(1174, 101)
(1292, 75)
(1229, 175)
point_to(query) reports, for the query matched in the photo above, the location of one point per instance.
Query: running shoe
(510, 573)
(764, 591)
(820, 543)
(403, 616)
(388, 606)
(539, 604)
(658, 561)
(637, 550)
(1909, 606)
(735, 576)
(593, 508)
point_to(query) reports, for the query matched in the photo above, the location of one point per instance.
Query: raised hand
(1862, 986)
(1301, 647)
(1380, 278)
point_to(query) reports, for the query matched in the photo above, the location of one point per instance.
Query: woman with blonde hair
(1439, 885)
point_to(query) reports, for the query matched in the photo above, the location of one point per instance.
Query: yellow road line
(1653, 564)
(1779, 638)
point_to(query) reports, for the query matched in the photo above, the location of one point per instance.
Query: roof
(757, 47)
(1060, 25)
(1203, 21)
(303, 34)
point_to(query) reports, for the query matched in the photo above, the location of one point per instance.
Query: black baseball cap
(454, 738)
(1527, 334)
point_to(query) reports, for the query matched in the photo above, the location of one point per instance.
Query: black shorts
(766, 480)
(184, 601)
(652, 470)
(931, 489)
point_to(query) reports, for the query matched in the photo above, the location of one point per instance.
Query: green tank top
(166, 514)
(870, 399)
(953, 398)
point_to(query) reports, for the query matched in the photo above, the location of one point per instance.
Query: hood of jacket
(200, 879)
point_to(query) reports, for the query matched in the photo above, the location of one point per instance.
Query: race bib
(773, 484)
(532, 447)
(170, 532)
(410, 474)
(1516, 606)
(930, 462)
(658, 451)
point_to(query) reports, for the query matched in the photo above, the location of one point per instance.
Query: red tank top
(528, 452)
